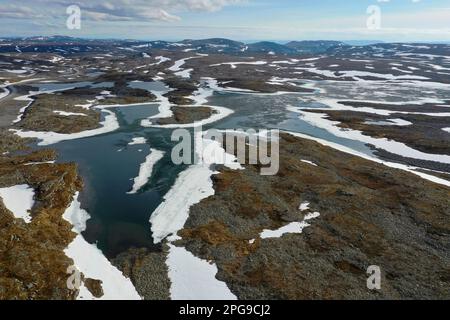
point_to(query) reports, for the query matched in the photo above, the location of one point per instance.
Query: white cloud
(17, 12)
(113, 10)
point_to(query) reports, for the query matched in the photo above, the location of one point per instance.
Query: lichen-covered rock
(147, 270)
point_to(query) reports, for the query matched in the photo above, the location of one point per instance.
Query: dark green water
(108, 164)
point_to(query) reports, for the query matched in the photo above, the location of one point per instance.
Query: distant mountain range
(218, 45)
(68, 45)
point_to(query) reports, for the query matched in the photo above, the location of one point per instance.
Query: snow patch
(309, 162)
(137, 140)
(304, 206)
(64, 113)
(200, 97)
(146, 170)
(19, 200)
(89, 260)
(293, 227)
(193, 278)
(192, 185)
(234, 65)
(220, 113)
(109, 124)
(390, 122)
(177, 65)
(5, 92)
(161, 59)
(319, 120)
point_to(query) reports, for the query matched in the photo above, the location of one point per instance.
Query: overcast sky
(401, 20)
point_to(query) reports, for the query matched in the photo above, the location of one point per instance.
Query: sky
(244, 20)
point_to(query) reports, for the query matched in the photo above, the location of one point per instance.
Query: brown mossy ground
(33, 264)
(370, 214)
(122, 94)
(182, 89)
(183, 115)
(425, 134)
(10, 142)
(40, 115)
(147, 270)
(94, 287)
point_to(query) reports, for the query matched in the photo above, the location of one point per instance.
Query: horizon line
(283, 41)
